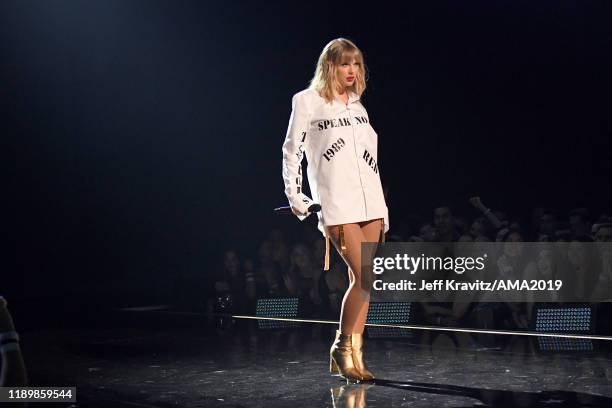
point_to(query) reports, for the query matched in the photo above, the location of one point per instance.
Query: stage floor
(171, 359)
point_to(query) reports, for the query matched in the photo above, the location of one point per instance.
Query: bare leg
(371, 231)
(355, 295)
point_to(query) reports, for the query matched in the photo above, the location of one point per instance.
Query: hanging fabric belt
(343, 250)
(342, 243)
(326, 267)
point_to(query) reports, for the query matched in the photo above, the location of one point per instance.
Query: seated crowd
(281, 268)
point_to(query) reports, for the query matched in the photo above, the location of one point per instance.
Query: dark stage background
(147, 134)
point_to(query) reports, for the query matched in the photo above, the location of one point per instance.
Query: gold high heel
(357, 343)
(341, 358)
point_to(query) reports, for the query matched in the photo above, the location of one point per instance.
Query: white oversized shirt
(341, 150)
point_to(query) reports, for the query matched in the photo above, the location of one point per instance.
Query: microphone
(286, 210)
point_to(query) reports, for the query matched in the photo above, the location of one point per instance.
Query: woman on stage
(331, 127)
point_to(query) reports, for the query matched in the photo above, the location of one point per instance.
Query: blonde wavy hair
(335, 53)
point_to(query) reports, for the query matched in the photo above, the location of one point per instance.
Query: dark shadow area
(504, 398)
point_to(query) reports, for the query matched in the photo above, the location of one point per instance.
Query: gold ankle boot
(341, 358)
(357, 343)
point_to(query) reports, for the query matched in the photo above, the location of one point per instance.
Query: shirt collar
(353, 97)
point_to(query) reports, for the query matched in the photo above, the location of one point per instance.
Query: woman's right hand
(297, 212)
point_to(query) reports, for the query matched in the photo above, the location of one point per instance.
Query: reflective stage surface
(166, 359)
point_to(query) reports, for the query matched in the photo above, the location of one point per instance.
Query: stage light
(564, 344)
(564, 319)
(388, 313)
(277, 307)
